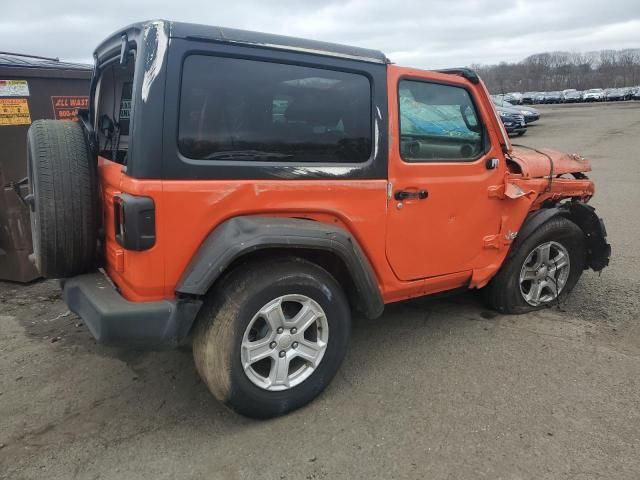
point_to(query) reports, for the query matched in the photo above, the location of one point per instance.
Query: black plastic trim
(467, 73)
(113, 320)
(598, 250)
(533, 222)
(239, 236)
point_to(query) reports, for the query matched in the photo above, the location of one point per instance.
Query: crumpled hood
(536, 163)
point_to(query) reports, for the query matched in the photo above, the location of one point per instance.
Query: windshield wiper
(246, 155)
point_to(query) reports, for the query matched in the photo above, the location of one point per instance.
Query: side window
(438, 123)
(113, 110)
(248, 110)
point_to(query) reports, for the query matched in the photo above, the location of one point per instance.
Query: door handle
(407, 195)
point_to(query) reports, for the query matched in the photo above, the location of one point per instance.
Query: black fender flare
(239, 236)
(583, 215)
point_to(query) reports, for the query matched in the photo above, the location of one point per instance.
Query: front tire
(541, 270)
(271, 336)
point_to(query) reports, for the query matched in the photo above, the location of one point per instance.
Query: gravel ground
(438, 389)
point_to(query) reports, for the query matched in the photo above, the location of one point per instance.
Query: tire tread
(65, 176)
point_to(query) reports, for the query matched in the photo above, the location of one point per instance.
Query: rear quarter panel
(188, 210)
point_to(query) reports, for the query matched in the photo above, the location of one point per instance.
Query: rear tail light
(134, 221)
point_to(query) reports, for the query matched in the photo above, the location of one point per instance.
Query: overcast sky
(428, 33)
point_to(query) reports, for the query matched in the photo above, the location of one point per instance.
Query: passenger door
(442, 163)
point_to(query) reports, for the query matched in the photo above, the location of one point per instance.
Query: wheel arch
(583, 215)
(246, 238)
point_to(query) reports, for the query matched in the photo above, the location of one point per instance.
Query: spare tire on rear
(63, 198)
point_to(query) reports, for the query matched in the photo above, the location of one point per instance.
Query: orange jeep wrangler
(251, 191)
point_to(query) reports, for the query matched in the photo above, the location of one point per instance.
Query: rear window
(248, 110)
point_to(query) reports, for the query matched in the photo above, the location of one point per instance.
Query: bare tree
(549, 71)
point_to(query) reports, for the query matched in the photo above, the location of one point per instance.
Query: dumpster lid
(33, 65)
(8, 59)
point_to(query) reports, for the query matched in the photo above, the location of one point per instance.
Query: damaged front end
(549, 175)
(555, 184)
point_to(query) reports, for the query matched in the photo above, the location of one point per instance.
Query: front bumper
(514, 126)
(112, 319)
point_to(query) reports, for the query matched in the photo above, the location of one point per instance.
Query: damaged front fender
(598, 250)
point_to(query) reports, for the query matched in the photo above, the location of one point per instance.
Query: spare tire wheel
(64, 198)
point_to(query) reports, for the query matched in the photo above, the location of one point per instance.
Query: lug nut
(294, 344)
(294, 330)
(282, 353)
(280, 330)
(272, 345)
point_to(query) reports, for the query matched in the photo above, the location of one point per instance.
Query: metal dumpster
(31, 88)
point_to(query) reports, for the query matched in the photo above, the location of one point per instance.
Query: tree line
(550, 71)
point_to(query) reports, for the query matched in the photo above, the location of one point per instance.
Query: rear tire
(260, 299)
(510, 291)
(64, 198)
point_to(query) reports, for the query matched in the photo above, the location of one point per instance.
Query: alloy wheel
(544, 273)
(284, 342)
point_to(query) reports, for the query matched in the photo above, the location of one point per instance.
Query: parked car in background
(508, 97)
(594, 95)
(635, 93)
(513, 120)
(612, 94)
(515, 98)
(553, 97)
(527, 97)
(539, 97)
(530, 114)
(626, 93)
(572, 96)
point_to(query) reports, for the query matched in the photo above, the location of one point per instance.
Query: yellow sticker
(14, 111)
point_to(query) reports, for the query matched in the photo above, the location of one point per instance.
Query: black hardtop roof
(31, 61)
(266, 40)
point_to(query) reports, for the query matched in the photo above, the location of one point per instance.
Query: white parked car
(593, 95)
(515, 98)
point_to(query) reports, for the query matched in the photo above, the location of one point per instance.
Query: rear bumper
(113, 320)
